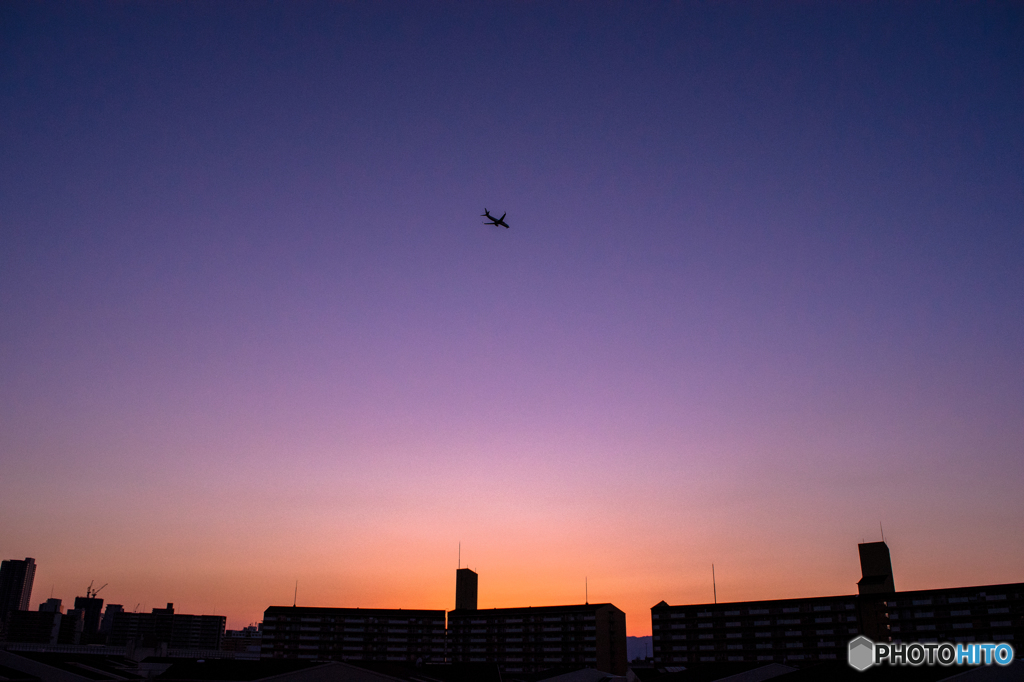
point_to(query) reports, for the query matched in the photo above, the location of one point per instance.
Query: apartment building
(164, 626)
(16, 578)
(329, 634)
(537, 638)
(783, 630)
(987, 613)
(804, 631)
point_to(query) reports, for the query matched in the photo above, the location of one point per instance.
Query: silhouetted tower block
(108, 618)
(51, 605)
(71, 626)
(93, 608)
(875, 569)
(16, 579)
(875, 585)
(465, 590)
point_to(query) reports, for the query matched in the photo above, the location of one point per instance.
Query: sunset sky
(763, 290)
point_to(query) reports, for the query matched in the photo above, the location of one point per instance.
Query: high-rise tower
(465, 590)
(875, 569)
(93, 608)
(875, 584)
(16, 578)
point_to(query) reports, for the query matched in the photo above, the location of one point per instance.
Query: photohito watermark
(863, 653)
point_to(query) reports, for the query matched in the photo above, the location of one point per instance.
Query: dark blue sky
(762, 288)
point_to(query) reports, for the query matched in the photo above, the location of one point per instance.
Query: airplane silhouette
(495, 221)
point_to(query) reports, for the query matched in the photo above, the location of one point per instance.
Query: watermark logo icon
(862, 653)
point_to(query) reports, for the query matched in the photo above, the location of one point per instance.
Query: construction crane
(91, 593)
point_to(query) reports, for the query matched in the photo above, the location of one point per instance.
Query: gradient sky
(763, 290)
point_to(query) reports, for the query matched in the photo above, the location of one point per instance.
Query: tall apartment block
(92, 608)
(875, 569)
(465, 589)
(804, 631)
(327, 634)
(537, 638)
(16, 579)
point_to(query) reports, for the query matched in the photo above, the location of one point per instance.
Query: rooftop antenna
(460, 556)
(882, 531)
(714, 586)
(586, 590)
(295, 599)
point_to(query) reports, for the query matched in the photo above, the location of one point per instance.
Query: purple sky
(763, 289)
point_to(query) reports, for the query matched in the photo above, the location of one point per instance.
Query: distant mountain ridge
(638, 647)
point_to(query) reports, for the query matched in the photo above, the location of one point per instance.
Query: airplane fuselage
(495, 221)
